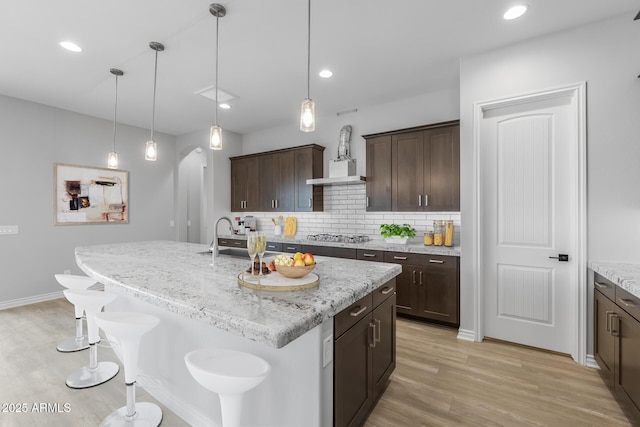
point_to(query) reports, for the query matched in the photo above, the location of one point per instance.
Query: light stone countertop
(176, 277)
(379, 245)
(625, 275)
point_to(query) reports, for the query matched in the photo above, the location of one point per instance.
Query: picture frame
(90, 195)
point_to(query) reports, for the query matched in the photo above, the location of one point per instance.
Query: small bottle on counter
(438, 232)
(428, 237)
(448, 233)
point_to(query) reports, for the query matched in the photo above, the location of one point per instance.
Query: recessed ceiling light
(71, 46)
(325, 74)
(224, 106)
(515, 12)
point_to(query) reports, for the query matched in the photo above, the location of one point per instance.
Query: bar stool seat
(126, 329)
(229, 373)
(80, 341)
(95, 373)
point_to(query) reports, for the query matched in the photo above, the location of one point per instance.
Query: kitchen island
(202, 306)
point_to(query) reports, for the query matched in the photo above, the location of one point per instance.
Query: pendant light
(215, 134)
(151, 150)
(112, 159)
(307, 111)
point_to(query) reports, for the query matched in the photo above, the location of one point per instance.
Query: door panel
(528, 199)
(379, 174)
(407, 169)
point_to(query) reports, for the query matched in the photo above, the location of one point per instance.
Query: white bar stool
(230, 374)
(80, 341)
(126, 329)
(95, 373)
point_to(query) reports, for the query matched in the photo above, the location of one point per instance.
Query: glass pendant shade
(151, 151)
(307, 116)
(112, 160)
(215, 138)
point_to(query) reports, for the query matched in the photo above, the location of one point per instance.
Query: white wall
(32, 138)
(422, 109)
(605, 55)
(217, 177)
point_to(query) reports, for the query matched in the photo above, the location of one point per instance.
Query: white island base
(297, 392)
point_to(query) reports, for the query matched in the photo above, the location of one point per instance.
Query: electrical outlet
(327, 350)
(9, 229)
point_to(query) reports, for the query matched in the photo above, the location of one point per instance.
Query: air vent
(210, 92)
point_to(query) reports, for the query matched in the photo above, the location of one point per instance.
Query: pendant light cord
(153, 110)
(308, 48)
(115, 116)
(217, 41)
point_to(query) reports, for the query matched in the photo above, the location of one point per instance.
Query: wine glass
(261, 247)
(251, 248)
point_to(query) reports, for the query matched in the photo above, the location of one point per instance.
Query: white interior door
(528, 205)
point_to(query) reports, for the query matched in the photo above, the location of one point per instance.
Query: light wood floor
(439, 380)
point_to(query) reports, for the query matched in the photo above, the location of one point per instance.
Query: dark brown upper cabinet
(275, 181)
(421, 167)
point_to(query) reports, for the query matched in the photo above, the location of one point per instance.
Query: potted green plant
(394, 233)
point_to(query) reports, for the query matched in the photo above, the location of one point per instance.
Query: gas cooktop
(339, 238)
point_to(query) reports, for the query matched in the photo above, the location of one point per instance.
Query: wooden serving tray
(277, 282)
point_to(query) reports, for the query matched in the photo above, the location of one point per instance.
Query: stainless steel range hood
(340, 180)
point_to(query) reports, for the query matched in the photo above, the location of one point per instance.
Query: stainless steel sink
(235, 252)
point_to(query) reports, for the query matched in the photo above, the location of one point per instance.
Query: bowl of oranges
(293, 267)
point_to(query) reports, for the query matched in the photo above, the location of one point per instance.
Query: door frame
(579, 293)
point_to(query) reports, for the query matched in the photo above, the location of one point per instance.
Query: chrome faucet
(213, 247)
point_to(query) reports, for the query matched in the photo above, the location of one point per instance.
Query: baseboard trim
(19, 302)
(466, 335)
(178, 406)
(591, 362)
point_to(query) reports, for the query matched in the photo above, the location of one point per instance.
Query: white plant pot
(397, 240)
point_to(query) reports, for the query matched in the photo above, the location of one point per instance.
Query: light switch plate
(327, 351)
(8, 229)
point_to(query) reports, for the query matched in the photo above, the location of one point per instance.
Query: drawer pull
(601, 285)
(357, 313)
(271, 246)
(369, 255)
(400, 257)
(224, 242)
(627, 302)
(436, 261)
(386, 291)
(291, 248)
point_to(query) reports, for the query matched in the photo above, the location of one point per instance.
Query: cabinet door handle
(358, 311)
(309, 203)
(369, 255)
(367, 201)
(436, 261)
(400, 257)
(413, 274)
(386, 290)
(419, 199)
(627, 302)
(608, 314)
(376, 338)
(426, 200)
(615, 332)
(291, 248)
(372, 343)
(420, 277)
(601, 285)
(276, 203)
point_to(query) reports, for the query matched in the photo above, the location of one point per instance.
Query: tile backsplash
(345, 213)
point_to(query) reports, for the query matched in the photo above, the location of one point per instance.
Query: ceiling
(378, 50)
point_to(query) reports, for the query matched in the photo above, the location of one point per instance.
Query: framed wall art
(90, 195)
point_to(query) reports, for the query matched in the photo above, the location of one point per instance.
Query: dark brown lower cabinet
(428, 286)
(617, 343)
(364, 354)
